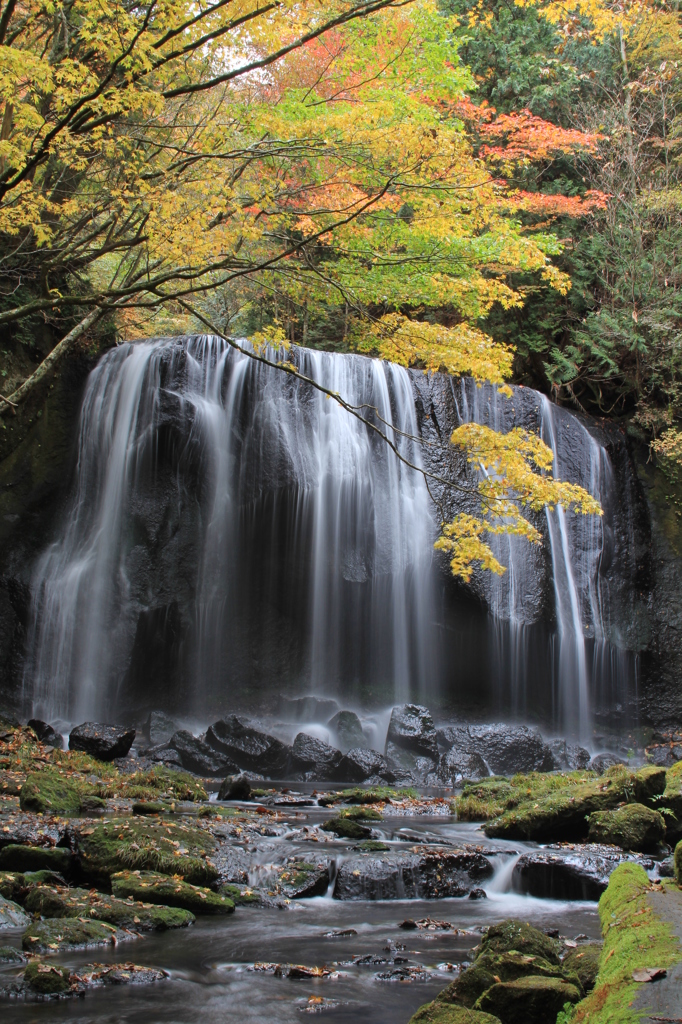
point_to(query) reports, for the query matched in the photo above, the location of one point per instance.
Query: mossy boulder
(371, 795)
(53, 935)
(147, 845)
(442, 1013)
(240, 895)
(35, 858)
(560, 813)
(52, 791)
(346, 828)
(361, 813)
(47, 979)
(519, 937)
(491, 968)
(52, 902)
(12, 886)
(584, 963)
(146, 807)
(632, 827)
(678, 863)
(152, 887)
(672, 800)
(12, 955)
(530, 1000)
(299, 880)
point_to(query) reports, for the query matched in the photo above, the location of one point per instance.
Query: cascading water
(233, 533)
(253, 496)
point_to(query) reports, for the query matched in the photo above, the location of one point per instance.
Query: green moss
(239, 894)
(373, 846)
(47, 979)
(53, 902)
(12, 955)
(50, 935)
(35, 858)
(48, 791)
(671, 803)
(147, 845)
(12, 886)
(492, 968)
(346, 828)
(442, 1013)
(632, 827)
(559, 808)
(361, 814)
(584, 963)
(520, 937)
(530, 1000)
(372, 795)
(152, 785)
(677, 861)
(151, 887)
(633, 937)
(149, 807)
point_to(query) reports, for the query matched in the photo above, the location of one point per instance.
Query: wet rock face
(360, 764)
(411, 729)
(159, 728)
(602, 762)
(200, 758)
(576, 872)
(347, 731)
(45, 732)
(456, 765)
(104, 742)
(314, 758)
(249, 748)
(503, 749)
(423, 874)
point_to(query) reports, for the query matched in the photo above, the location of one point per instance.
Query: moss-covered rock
(12, 955)
(678, 863)
(672, 801)
(361, 813)
(47, 979)
(147, 807)
(519, 937)
(372, 846)
(50, 791)
(12, 886)
(159, 783)
(53, 935)
(346, 828)
(35, 858)
(442, 1013)
(584, 963)
(147, 845)
(632, 827)
(530, 1000)
(561, 812)
(491, 968)
(52, 902)
(240, 895)
(371, 795)
(299, 880)
(152, 887)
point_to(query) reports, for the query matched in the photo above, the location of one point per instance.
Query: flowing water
(232, 532)
(210, 964)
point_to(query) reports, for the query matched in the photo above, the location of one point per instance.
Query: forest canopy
(487, 188)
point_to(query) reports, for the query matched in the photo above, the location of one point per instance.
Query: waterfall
(215, 499)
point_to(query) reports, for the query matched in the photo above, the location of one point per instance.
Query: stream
(211, 965)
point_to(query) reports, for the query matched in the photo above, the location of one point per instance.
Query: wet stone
(346, 729)
(152, 887)
(360, 764)
(45, 732)
(53, 935)
(299, 879)
(249, 748)
(198, 757)
(420, 875)
(411, 728)
(314, 759)
(456, 765)
(569, 872)
(11, 915)
(104, 742)
(53, 902)
(159, 728)
(15, 857)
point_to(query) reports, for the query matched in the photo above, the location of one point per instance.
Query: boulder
(11, 915)
(35, 858)
(584, 963)
(569, 756)
(45, 732)
(308, 709)
(360, 764)
(530, 1000)
(200, 758)
(520, 937)
(573, 872)
(409, 767)
(51, 792)
(315, 759)
(47, 979)
(146, 845)
(491, 968)
(235, 787)
(346, 828)
(105, 742)
(562, 814)
(58, 902)
(299, 880)
(602, 762)
(346, 729)
(153, 887)
(166, 755)
(159, 728)
(444, 1013)
(664, 755)
(632, 827)
(456, 765)
(12, 955)
(424, 874)
(505, 749)
(411, 728)
(55, 934)
(249, 748)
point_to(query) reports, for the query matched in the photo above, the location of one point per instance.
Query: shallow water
(210, 980)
